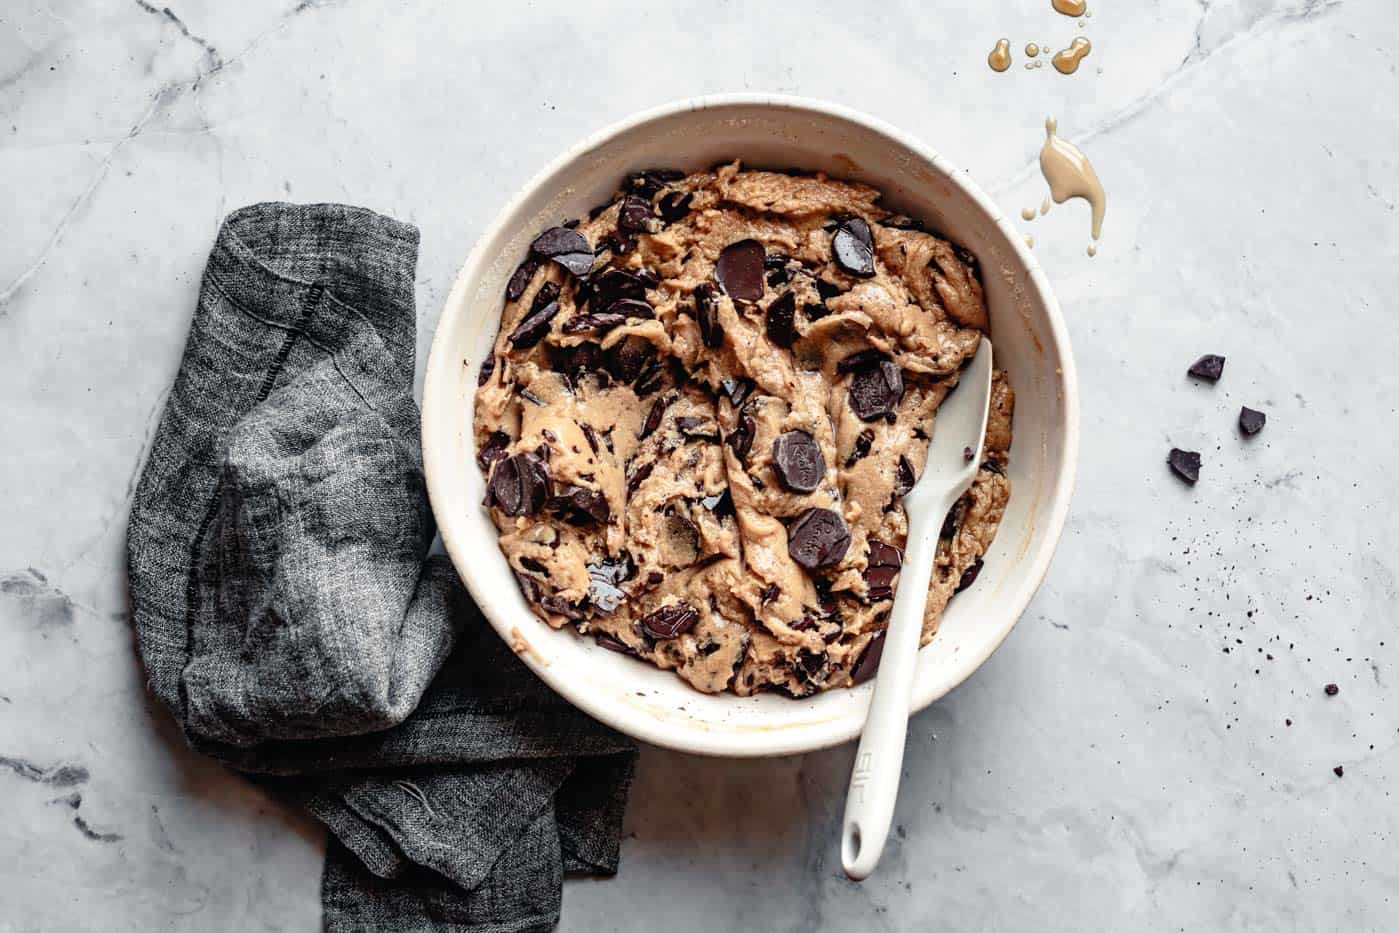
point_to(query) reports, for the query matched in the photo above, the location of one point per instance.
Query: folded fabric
(290, 616)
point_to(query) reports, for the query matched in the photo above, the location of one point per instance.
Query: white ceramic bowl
(1031, 344)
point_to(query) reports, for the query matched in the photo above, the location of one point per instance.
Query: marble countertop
(1125, 761)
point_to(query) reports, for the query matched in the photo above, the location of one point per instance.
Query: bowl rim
(835, 731)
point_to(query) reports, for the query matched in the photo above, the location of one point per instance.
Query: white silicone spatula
(874, 786)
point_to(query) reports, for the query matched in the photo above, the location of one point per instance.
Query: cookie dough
(701, 411)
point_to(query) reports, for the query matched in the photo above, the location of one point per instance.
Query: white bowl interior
(1030, 344)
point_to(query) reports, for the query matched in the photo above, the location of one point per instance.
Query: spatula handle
(874, 783)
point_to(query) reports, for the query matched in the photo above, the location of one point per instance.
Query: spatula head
(958, 428)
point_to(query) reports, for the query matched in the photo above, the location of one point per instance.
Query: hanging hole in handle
(852, 852)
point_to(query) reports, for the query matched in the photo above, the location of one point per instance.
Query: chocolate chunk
(535, 325)
(520, 279)
(852, 246)
(612, 644)
(721, 505)
(810, 662)
(605, 579)
(653, 417)
(905, 478)
(632, 308)
(861, 450)
(534, 566)
(798, 462)
(876, 393)
(739, 270)
(579, 505)
(952, 520)
(1209, 367)
(861, 362)
(527, 586)
(639, 476)
(1332, 690)
(560, 606)
(708, 317)
(617, 313)
(592, 322)
(530, 397)
(1250, 421)
(1185, 464)
(669, 621)
(782, 320)
(626, 359)
(883, 566)
(868, 665)
(619, 242)
(967, 258)
(614, 284)
(828, 290)
(1339, 771)
(493, 449)
(697, 429)
(650, 378)
(519, 485)
(818, 539)
(547, 294)
(737, 390)
(969, 575)
(633, 214)
(967, 454)
(680, 539)
(901, 222)
(990, 465)
(674, 205)
(651, 180)
(776, 266)
(487, 369)
(741, 438)
(578, 361)
(568, 248)
(589, 434)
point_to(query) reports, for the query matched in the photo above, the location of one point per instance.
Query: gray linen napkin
(291, 618)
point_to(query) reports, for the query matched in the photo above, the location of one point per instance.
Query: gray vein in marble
(158, 100)
(48, 604)
(213, 61)
(86, 829)
(64, 775)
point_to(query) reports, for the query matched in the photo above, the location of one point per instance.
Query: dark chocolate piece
(818, 539)
(1250, 421)
(1185, 464)
(739, 270)
(798, 462)
(568, 248)
(852, 246)
(1209, 367)
(669, 621)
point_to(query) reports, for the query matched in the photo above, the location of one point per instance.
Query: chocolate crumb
(1185, 464)
(1209, 367)
(1250, 421)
